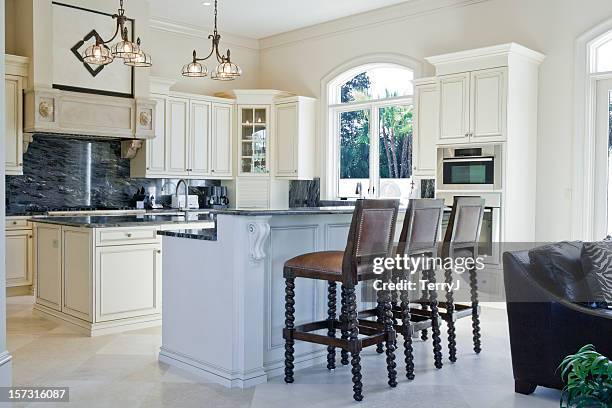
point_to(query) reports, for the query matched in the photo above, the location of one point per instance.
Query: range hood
(54, 111)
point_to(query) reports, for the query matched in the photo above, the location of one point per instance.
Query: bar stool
(461, 240)
(370, 236)
(419, 237)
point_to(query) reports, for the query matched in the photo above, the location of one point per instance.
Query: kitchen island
(224, 292)
(103, 274)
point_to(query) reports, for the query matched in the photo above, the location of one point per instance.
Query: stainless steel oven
(469, 168)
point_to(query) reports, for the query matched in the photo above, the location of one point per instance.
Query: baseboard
(19, 291)
(99, 329)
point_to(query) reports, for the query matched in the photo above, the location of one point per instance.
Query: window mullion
(374, 148)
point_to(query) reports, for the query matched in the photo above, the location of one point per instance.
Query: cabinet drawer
(121, 236)
(17, 223)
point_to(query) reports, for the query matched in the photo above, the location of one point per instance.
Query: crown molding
(395, 13)
(496, 50)
(189, 30)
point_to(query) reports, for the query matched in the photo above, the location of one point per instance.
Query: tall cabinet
(487, 96)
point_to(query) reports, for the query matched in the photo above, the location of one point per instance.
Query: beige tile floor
(121, 370)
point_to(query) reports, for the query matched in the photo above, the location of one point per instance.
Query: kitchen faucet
(186, 192)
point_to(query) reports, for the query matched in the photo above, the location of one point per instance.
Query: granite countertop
(286, 211)
(113, 221)
(201, 234)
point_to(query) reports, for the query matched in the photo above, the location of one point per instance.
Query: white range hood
(48, 110)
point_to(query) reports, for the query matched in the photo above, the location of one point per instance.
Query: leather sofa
(546, 324)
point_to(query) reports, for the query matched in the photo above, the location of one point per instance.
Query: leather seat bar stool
(461, 240)
(418, 238)
(370, 236)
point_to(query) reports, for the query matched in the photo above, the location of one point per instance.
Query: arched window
(370, 115)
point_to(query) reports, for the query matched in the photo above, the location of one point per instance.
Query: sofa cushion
(558, 268)
(597, 265)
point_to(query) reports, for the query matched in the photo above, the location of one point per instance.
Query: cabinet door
(454, 108)
(128, 281)
(488, 105)
(18, 258)
(156, 148)
(221, 140)
(13, 144)
(426, 129)
(49, 266)
(286, 135)
(77, 261)
(199, 131)
(253, 140)
(177, 146)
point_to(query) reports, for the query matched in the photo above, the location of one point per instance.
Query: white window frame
(328, 147)
(374, 107)
(584, 195)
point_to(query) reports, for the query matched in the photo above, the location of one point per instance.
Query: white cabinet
(18, 257)
(101, 279)
(15, 81)
(177, 136)
(14, 124)
(128, 281)
(488, 105)
(473, 106)
(198, 145)
(426, 127)
(454, 108)
(193, 139)
(221, 140)
(295, 138)
(48, 264)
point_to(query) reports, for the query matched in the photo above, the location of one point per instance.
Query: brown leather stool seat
(324, 265)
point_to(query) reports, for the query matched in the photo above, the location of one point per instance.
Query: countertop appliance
(470, 168)
(215, 197)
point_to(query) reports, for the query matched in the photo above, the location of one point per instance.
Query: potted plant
(588, 379)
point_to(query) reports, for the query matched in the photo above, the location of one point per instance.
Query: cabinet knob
(14, 222)
(212, 171)
(159, 251)
(148, 168)
(129, 235)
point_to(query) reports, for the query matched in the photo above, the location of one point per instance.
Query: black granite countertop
(113, 221)
(201, 234)
(286, 211)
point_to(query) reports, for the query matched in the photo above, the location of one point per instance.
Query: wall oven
(469, 168)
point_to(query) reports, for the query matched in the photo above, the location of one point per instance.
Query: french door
(602, 165)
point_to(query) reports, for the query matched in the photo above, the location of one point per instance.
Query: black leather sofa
(546, 324)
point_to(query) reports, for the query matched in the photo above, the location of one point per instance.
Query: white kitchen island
(223, 291)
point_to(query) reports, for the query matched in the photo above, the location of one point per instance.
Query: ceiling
(262, 18)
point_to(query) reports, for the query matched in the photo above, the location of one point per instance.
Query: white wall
(5, 362)
(171, 50)
(548, 26)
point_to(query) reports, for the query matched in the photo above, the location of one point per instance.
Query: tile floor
(122, 370)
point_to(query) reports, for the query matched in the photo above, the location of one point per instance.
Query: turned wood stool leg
(450, 322)
(435, 324)
(425, 297)
(344, 355)
(331, 317)
(407, 333)
(351, 306)
(384, 302)
(475, 317)
(289, 327)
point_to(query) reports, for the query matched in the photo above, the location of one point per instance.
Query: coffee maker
(215, 197)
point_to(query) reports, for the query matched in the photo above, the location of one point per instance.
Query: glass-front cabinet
(254, 142)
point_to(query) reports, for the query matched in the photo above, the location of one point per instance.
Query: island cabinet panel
(128, 281)
(18, 257)
(77, 258)
(49, 266)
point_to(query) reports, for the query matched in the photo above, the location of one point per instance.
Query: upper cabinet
(473, 106)
(254, 140)
(426, 131)
(15, 82)
(193, 139)
(295, 138)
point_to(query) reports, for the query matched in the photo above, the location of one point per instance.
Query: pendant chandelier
(130, 52)
(225, 71)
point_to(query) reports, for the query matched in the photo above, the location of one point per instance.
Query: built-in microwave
(469, 168)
